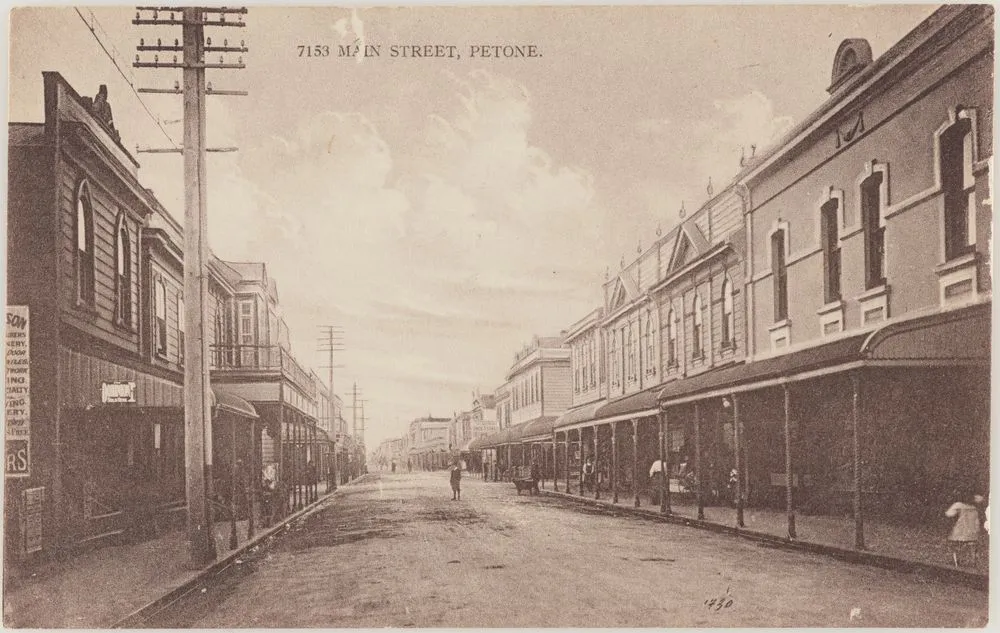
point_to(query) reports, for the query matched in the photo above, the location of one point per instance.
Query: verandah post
(699, 475)
(635, 461)
(597, 483)
(614, 462)
(738, 450)
(789, 478)
(663, 464)
(859, 527)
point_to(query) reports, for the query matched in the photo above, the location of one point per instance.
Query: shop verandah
(881, 432)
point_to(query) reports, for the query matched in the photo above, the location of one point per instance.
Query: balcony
(266, 359)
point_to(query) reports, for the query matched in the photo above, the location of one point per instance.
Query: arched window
(696, 329)
(672, 338)
(728, 318)
(123, 274)
(631, 354)
(84, 245)
(650, 351)
(613, 356)
(160, 313)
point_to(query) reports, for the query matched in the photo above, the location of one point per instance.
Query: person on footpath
(965, 533)
(456, 482)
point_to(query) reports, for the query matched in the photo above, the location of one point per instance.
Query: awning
(233, 404)
(539, 429)
(956, 335)
(632, 406)
(584, 413)
(516, 432)
(952, 337)
(837, 352)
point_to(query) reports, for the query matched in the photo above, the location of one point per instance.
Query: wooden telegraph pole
(197, 394)
(330, 344)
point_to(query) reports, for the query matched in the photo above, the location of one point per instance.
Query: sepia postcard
(668, 316)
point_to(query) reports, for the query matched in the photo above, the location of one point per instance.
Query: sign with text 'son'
(117, 392)
(17, 411)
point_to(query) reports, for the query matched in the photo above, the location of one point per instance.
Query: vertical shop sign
(17, 413)
(33, 500)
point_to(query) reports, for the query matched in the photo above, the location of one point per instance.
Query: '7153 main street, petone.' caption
(420, 51)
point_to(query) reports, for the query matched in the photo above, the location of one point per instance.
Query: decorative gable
(688, 246)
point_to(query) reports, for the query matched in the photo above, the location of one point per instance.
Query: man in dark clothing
(536, 475)
(456, 482)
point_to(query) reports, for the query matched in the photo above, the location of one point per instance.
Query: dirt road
(399, 552)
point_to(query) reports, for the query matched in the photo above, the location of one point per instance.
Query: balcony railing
(266, 358)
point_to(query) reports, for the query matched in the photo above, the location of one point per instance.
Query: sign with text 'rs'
(17, 412)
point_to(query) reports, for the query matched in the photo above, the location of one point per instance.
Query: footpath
(914, 549)
(113, 586)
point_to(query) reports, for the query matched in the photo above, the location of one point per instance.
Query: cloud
(734, 126)
(654, 127)
(439, 257)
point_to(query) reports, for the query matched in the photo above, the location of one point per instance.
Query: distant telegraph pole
(331, 343)
(197, 394)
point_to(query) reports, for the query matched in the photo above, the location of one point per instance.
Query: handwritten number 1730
(317, 50)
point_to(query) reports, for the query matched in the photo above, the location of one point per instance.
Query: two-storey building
(95, 449)
(428, 442)
(671, 314)
(869, 284)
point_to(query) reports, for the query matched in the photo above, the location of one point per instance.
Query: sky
(444, 211)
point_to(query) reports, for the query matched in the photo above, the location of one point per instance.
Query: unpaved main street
(396, 551)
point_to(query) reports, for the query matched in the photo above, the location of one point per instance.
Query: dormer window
(852, 56)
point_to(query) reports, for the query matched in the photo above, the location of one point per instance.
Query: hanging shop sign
(113, 392)
(17, 410)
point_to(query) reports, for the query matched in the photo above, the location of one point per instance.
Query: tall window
(696, 329)
(650, 365)
(160, 312)
(246, 323)
(180, 328)
(830, 237)
(84, 245)
(728, 316)
(576, 369)
(592, 342)
(613, 356)
(123, 276)
(874, 232)
(672, 339)
(586, 364)
(780, 274)
(631, 354)
(958, 186)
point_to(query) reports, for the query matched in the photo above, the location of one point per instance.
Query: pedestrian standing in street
(456, 482)
(965, 533)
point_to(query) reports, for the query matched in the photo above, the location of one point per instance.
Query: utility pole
(197, 387)
(363, 422)
(333, 342)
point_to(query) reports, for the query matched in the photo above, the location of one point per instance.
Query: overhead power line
(110, 56)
